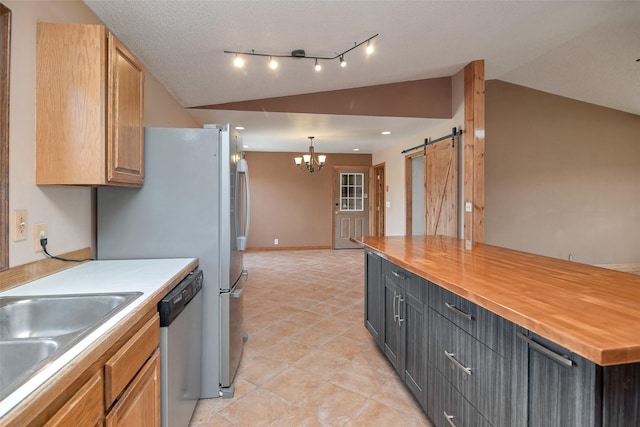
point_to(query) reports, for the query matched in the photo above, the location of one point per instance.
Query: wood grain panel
(85, 408)
(589, 310)
(25, 273)
(122, 367)
(140, 404)
(5, 47)
(441, 189)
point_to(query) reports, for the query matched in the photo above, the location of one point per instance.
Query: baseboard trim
(21, 274)
(286, 248)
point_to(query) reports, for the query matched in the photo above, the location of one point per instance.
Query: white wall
(393, 159)
(67, 211)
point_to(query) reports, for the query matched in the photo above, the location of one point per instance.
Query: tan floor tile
(298, 417)
(306, 318)
(358, 332)
(394, 393)
(293, 384)
(343, 346)
(263, 320)
(259, 407)
(366, 382)
(261, 369)
(375, 413)
(286, 327)
(321, 364)
(333, 404)
(214, 421)
(313, 337)
(373, 359)
(287, 350)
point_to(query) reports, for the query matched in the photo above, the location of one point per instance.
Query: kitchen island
(484, 335)
(91, 370)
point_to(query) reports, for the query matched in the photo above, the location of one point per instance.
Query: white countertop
(146, 276)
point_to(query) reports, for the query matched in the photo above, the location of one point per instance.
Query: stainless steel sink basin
(35, 330)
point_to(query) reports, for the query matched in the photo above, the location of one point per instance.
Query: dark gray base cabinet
(469, 367)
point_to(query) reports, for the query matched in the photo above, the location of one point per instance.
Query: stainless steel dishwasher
(180, 351)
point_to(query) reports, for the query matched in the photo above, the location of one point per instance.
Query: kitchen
(67, 211)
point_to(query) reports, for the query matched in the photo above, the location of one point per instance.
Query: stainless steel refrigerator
(194, 203)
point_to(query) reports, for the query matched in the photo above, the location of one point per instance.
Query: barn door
(441, 183)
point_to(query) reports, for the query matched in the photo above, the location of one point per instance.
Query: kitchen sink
(35, 330)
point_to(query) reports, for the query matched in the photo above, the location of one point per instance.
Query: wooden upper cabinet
(89, 108)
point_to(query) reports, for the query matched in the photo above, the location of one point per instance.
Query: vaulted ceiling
(585, 50)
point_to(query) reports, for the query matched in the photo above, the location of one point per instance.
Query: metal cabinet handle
(449, 419)
(400, 301)
(451, 357)
(457, 311)
(558, 358)
(395, 308)
(399, 275)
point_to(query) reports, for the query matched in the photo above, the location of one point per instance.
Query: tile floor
(309, 361)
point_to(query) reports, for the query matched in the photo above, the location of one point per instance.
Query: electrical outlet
(19, 225)
(39, 232)
(275, 241)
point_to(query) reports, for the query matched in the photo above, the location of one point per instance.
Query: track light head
(318, 67)
(273, 64)
(369, 48)
(343, 63)
(238, 62)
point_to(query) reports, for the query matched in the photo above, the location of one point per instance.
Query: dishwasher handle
(237, 292)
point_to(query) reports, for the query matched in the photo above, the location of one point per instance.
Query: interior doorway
(415, 213)
(351, 205)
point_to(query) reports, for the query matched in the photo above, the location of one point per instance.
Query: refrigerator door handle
(243, 168)
(237, 293)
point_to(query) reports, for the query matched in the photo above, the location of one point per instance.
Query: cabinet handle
(399, 275)
(457, 311)
(395, 308)
(563, 360)
(451, 357)
(449, 419)
(400, 301)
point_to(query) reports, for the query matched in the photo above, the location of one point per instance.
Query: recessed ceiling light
(245, 146)
(239, 128)
(386, 132)
(356, 149)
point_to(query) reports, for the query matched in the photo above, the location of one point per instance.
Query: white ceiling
(585, 50)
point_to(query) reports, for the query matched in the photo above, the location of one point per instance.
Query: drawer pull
(558, 358)
(449, 419)
(457, 311)
(451, 357)
(399, 275)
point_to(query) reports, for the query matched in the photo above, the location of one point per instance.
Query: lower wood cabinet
(140, 403)
(85, 408)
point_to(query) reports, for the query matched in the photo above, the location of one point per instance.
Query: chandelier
(310, 162)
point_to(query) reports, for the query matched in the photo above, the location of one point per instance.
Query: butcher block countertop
(591, 311)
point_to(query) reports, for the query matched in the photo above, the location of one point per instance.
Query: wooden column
(474, 150)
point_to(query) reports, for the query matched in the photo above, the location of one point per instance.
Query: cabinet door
(373, 297)
(563, 388)
(392, 328)
(140, 403)
(125, 139)
(85, 408)
(415, 358)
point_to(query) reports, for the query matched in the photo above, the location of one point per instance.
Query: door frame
(366, 169)
(408, 187)
(379, 216)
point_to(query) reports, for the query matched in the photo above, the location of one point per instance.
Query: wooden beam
(474, 117)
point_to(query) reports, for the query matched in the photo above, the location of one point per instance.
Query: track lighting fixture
(301, 54)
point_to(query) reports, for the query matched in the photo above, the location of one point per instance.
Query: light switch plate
(19, 225)
(468, 207)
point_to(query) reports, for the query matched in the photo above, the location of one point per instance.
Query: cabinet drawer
(490, 329)
(447, 408)
(415, 287)
(85, 408)
(123, 366)
(481, 375)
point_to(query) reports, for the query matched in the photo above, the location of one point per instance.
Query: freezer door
(232, 332)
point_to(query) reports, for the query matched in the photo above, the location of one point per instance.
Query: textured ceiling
(585, 50)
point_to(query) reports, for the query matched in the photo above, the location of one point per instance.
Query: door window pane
(352, 191)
